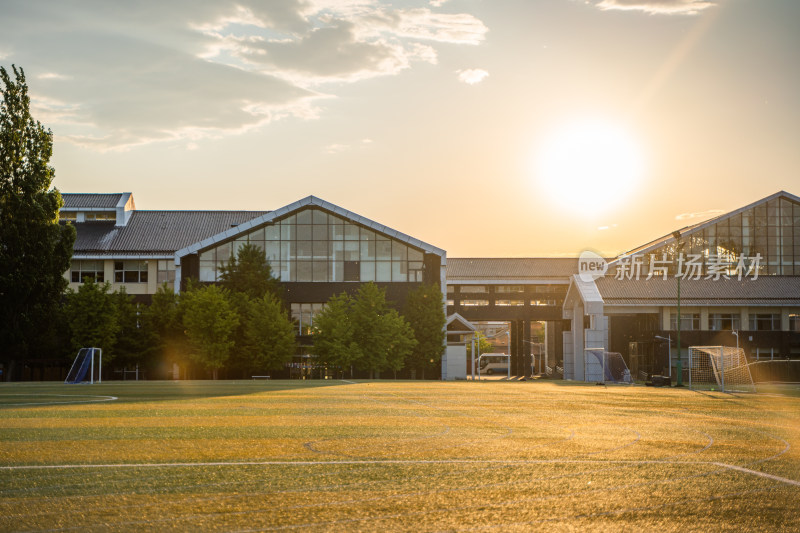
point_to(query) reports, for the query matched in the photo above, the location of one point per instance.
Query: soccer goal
(601, 365)
(85, 364)
(722, 367)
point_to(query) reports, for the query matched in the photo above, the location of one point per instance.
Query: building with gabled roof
(318, 249)
(735, 279)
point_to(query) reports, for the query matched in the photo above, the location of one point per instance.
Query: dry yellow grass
(422, 456)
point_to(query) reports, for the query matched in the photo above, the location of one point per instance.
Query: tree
(35, 250)
(424, 311)
(92, 316)
(210, 323)
(135, 342)
(484, 346)
(395, 339)
(250, 273)
(163, 319)
(364, 331)
(333, 334)
(269, 340)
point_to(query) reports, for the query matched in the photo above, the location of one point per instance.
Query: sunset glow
(589, 167)
(424, 114)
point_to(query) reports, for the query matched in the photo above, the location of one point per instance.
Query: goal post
(85, 364)
(719, 367)
(602, 366)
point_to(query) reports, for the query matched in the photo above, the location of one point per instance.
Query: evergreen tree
(424, 311)
(35, 250)
(249, 272)
(210, 323)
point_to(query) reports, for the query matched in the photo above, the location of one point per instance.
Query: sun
(589, 167)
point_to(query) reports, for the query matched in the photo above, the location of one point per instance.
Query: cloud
(472, 76)
(700, 215)
(53, 76)
(658, 7)
(348, 41)
(337, 148)
(116, 75)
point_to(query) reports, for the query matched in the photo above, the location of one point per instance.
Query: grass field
(421, 456)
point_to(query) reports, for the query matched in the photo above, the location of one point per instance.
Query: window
(474, 303)
(794, 322)
(765, 322)
(315, 246)
(723, 322)
(509, 303)
(130, 271)
(689, 321)
(539, 303)
(82, 270)
(510, 288)
(472, 289)
(166, 272)
(101, 217)
(68, 215)
(303, 316)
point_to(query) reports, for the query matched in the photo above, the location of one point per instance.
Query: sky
(494, 128)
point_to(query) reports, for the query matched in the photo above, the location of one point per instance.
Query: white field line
(759, 474)
(94, 400)
(403, 462)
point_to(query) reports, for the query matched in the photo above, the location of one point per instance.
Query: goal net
(84, 364)
(606, 366)
(722, 367)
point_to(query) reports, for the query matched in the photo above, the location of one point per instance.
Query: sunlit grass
(396, 456)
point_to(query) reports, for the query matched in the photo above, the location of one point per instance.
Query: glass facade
(771, 229)
(313, 245)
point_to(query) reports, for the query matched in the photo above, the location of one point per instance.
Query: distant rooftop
(91, 201)
(766, 290)
(156, 232)
(510, 268)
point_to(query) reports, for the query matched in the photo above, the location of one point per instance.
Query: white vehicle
(494, 363)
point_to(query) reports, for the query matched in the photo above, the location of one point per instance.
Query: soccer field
(384, 455)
